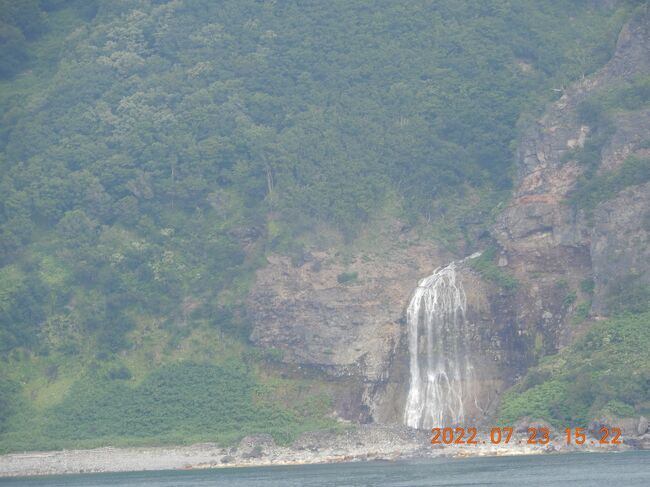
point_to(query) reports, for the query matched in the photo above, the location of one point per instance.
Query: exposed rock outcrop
(346, 321)
(545, 240)
(355, 332)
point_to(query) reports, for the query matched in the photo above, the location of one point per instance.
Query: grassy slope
(206, 386)
(605, 372)
(63, 394)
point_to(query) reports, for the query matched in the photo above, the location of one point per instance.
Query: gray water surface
(579, 469)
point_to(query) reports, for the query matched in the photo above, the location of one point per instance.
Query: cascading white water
(439, 359)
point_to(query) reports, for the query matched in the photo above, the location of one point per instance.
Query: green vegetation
(164, 136)
(347, 277)
(194, 392)
(602, 187)
(581, 312)
(488, 269)
(628, 294)
(597, 112)
(594, 113)
(626, 96)
(605, 372)
(570, 297)
(587, 286)
(8, 390)
(152, 153)
(174, 404)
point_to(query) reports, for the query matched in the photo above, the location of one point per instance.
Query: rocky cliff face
(345, 320)
(545, 241)
(619, 245)
(354, 332)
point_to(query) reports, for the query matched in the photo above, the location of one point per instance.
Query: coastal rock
(523, 425)
(629, 426)
(368, 442)
(252, 441)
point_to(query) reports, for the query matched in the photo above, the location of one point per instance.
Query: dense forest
(152, 152)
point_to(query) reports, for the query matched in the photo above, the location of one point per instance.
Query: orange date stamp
(535, 436)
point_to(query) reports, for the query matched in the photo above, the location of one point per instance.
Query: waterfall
(440, 365)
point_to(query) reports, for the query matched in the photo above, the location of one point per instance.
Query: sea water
(576, 469)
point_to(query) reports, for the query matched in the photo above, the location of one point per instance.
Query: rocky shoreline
(368, 442)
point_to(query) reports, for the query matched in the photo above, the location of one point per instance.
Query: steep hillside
(570, 248)
(213, 214)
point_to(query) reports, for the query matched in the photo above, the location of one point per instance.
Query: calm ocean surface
(616, 469)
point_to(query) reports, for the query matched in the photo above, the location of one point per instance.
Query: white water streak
(440, 367)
